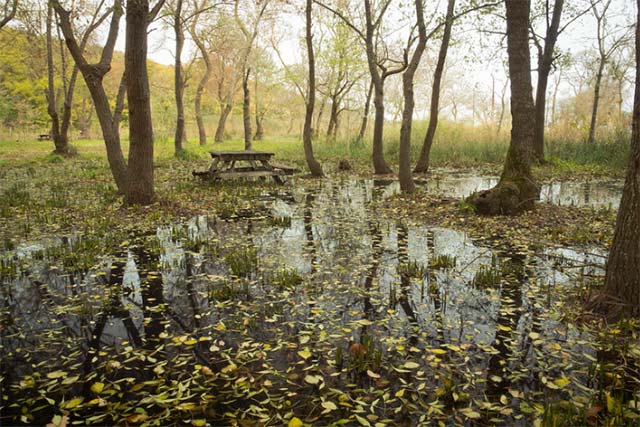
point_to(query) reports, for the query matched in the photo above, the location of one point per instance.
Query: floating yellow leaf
(562, 382)
(372, 374)
(199, 422)
(295, 422)
(305, 354)
(73, 403)
(137, 418)
(97, 387)
(411, 365)
(328, 405)
(313, 379)
(363, 421)
(56, 374)
(438, 351)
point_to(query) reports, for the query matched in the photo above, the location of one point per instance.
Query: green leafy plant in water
(466, 208)
(487, 277)
(413, 269)
(280, 221)
(285, 278)
(226, 290)
(58, 196)
(15, 195)
(242, 261)
(443, 262)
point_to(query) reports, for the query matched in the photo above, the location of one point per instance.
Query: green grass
(456, 145)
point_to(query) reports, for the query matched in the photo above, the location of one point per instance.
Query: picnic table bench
(44, 137)
(256, 164)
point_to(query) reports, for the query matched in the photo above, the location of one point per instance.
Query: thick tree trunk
(365, 114)
(178, 79)
(422, 166)
(380, 166)
(246, 110)
(544, 68)
(596, 102)
(140, 177)
(516, 191)
(621, 294)
(314, 166)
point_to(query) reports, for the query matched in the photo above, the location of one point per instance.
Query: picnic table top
(241, 155)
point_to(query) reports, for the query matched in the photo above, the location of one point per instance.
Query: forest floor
(334, 301)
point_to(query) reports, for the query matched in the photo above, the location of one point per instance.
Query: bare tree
(60, 126)
(201, 42)
(381, 66)
(516, 191)
(9, 8)
(135, 179)
(547, 56)
(314, 166)
(248, 42)
(422, 166)
(93, 74)
(621, 294)
(608, 43)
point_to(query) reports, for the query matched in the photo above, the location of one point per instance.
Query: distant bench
(257, 165)
(44, 137)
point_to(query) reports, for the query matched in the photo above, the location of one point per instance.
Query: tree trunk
(380, 166)
(502, 108)
(621, 294)
(222, 122)
(333, 118)
(516, 191)
(202, 132)
(314, 166)
(246, 110)
(596, 102)
(259, 115)
(178, 79)
(259, 136)
(93, 75)
(140, 177)
(423, 161)
(544, 68)
(60, 141)
(316, 128)
(404, 162)
(365, 113)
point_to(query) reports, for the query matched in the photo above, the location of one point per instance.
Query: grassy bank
(455, 146)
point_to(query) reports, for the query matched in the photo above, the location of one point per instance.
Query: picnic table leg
(214, 166)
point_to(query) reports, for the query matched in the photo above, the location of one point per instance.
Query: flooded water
(597, 194)
(322, 311)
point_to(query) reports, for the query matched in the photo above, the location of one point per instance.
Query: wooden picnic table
(256, 164)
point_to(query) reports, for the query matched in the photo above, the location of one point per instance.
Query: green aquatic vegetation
(487, 277)
(413, 269)
(241, 261)
(279, 221)
(442, 262)
(284, 278)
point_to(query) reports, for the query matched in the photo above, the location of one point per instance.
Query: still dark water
(316, 308)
